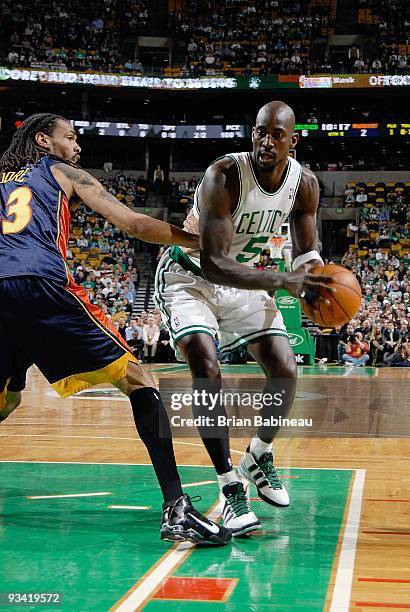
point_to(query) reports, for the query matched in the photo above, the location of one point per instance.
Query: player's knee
(202, 363)
(200, 353)
(140, 379)
(135, 378)
(283, 367)
(207, 368)
(289, 368)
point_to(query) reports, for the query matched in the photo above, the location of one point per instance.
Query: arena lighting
(286, 81)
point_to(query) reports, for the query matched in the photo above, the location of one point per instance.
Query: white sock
(258, 447)
(226, 478)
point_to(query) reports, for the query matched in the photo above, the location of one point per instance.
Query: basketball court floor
(80, 508)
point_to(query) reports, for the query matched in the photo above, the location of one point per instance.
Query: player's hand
(191, 223)
(300, 282)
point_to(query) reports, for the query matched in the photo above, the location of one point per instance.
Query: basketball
(344, 302)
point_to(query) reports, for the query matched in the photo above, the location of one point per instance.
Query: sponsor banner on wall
(327, 81)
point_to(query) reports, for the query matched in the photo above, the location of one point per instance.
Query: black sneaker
(181, 523)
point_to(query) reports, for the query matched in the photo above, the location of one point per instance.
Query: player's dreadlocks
(24, 148)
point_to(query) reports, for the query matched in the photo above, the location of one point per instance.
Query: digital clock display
(231, 131)
(341, 130)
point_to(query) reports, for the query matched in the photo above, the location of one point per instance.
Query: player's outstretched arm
(218, 196)
(78, 182)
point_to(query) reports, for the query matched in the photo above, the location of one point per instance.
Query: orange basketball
(344, 302)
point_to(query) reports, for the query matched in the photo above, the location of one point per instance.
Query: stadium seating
(387, 23)
(239, 38)
(89, 36)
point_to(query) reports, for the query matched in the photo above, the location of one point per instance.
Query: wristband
(305, 258)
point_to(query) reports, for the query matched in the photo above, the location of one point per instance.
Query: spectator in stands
(349, 199)
(356, 351)
(404, 328)
(129, 294)
(183, 186)
(352, 232)
(158, 179)
(359, 65)
(401, 357)
(192, 185)
(122, 327)
(345, 333)
(173, 186)
(391, 339)
(348, 258)
(353, 54)
(144, 318)
(134, 336)
(365, 328)
(361, 197)
(380, 255)
(150, 336)
(125, 306)
(375, 340)
(377, 65)
(389, 273)
(349, 196)
(165, 352)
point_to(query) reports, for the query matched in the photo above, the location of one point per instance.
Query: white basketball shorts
(190, 304)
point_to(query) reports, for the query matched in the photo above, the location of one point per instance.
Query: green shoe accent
(265, 462)
(236, 498)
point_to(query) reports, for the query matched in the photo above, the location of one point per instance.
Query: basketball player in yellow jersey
(242, 201)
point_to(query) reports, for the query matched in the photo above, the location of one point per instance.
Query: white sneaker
(235, 509)
(262, 473)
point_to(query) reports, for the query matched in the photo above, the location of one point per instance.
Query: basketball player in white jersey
(241, 202)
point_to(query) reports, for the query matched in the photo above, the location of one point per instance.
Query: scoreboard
(146, 130)
(347, 130)
(398, 129)
(229, 131)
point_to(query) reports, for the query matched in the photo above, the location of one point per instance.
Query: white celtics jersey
(259, 214)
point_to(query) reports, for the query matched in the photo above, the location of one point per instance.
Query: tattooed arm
(78, 183)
